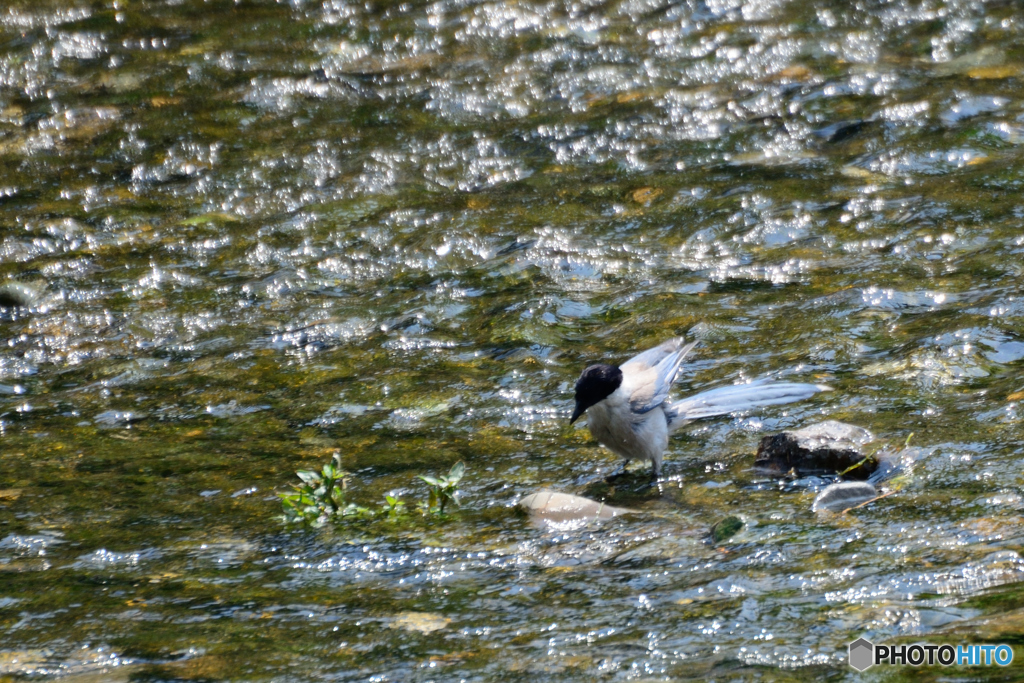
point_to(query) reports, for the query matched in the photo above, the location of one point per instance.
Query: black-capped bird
(629, 413)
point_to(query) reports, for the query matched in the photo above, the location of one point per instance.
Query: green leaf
(430, 480)
(458, 469)
(308, 477)
(334, 472)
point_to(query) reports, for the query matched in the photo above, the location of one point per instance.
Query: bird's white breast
(632, 436)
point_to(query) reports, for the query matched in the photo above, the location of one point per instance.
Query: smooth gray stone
(551, 507)
(841, 496)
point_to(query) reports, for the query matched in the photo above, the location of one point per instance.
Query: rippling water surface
(248, 234)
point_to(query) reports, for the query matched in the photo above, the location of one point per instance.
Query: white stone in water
(564, 509)
(845, 495)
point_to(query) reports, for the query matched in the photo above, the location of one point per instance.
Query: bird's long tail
(737, 398)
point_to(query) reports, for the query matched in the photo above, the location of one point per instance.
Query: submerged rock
(118, 418)
(667, 547)
(551, 507)
(987, 57)
(420, 622)
(18, 294)
(726, 529)
(845, 495)
(838, 132)
(827, 448)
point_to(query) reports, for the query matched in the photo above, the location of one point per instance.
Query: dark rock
(827, 448)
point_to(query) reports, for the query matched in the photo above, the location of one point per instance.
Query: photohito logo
(864, 654)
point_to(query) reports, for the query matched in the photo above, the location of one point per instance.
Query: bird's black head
(595, 384)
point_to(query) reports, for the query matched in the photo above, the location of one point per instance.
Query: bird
(629, 413)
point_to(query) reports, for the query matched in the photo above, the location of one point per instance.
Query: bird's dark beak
(576, 413)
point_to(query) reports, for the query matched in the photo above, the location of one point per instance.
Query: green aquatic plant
(393, 507)
(443, 490)
(321, 496)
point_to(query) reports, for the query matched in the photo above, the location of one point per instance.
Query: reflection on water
(239, 236)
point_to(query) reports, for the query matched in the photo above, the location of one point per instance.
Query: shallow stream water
(250, 234)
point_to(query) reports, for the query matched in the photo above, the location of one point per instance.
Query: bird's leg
(611, 478)
(655, 477)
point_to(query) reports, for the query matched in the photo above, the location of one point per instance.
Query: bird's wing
(650, 375)
(651, 357)
(740, 397)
